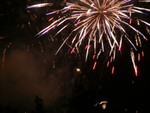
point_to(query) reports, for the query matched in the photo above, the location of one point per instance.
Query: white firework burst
(100, 22)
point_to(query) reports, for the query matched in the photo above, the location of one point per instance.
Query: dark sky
(30, 68)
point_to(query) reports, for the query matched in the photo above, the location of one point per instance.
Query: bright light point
(78, 70)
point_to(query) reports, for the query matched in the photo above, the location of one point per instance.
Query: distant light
(104, 106)
(78, 70)
(103, 103)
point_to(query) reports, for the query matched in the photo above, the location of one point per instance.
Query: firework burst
(98, 22)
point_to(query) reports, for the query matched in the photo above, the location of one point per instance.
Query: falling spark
(113, 70)
(3, 59)
(111, 59)
(130, 21)
(99, 22)
(108, 64)
(120, 44)
(73, 50)
(4, 55)
(94, 57)
(139, 57)
(133, 61)
(51, 19)
(94, 66)
(148, 30)
(39, 5)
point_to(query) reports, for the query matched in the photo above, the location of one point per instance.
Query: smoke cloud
(26, 75)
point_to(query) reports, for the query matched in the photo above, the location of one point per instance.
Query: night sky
(35, 80)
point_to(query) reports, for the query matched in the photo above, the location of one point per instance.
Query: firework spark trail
(4, 55)
(3, 59)
(97, 21)
(40, 5)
